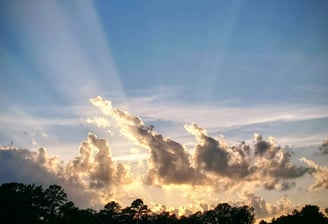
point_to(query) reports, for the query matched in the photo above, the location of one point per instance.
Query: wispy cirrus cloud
(159, 107)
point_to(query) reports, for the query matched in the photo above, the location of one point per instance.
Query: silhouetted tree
(242, 215)
(111, 213)
(225, 214)
(54, 200)
(20, 203)
(308, 214)
(163, 218)
(138, 212)
(311, 213)
(222, 214)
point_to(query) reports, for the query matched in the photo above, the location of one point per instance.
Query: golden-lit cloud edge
(192, 181)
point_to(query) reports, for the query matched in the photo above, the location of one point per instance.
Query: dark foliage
(308, 214)
(21, 203)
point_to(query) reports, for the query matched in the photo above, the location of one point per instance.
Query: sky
(184, 104)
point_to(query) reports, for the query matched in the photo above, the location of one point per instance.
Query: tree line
(28, 203)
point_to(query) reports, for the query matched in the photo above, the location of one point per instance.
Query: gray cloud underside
(84, 177)
(324, 147)
(92, 176)
(265, 162)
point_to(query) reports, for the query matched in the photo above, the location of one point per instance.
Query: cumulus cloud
(169, 161)
(264, 209)
(324, 147)
(94, 165)
(266, 162)
(213, 162)
(216, 156)
(87, 178)
(21, 165)
(24, 165)
(261, 146)
(320, 174)
(211, 165)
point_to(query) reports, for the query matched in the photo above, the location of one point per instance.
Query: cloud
(218, 156)
(94, 165)
(267, 162)
(324, 147)
(277, 160)
(88, 178)
(21, 165)
(156, 108)
(101, 122)
(169, 161)
(272, 160)
(320, 174)
(235, 122)
(213, 161)
(263, 209)
(212, 165)
(261, 146)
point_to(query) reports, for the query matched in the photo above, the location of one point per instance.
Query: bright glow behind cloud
(214, 161)
(180, 175)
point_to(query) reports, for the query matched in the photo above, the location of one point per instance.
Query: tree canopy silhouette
(21, 203)
(27, 203)
(308, 214)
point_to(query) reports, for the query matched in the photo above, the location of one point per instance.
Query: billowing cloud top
(265, 163)
(93, 177)
(87, 178)
(169, 161)
(94, 165)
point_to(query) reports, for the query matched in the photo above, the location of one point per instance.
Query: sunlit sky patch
(233, 68)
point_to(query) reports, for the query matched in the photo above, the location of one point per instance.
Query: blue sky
(267, 52)
(222, 51)
(234, 68)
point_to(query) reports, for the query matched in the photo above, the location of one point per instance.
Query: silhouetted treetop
(308, 214)
(23, 203)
